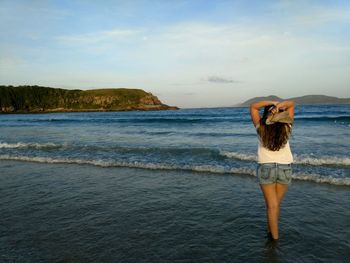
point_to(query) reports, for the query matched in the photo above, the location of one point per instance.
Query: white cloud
(97, 37)
(221, 80)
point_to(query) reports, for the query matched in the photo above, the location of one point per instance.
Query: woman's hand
(254, 109)
(274, 109)
(287, 105)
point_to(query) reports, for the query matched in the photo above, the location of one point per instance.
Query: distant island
(304, 100)
(32, 99)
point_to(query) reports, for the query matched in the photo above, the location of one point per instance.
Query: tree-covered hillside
(46, 99)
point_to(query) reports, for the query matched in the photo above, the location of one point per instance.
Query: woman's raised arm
(287, 105)
(254, 109)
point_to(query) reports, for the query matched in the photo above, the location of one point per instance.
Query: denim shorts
(270, 173)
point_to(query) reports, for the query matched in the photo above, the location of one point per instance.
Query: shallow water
(82, 213)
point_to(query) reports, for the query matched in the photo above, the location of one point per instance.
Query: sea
(169, 186)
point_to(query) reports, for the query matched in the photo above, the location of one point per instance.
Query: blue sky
(188, 53)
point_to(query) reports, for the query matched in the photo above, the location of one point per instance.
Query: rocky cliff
(44, 99)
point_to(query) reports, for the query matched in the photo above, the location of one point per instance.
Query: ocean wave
(239, 156)
(130, 164)
(176, 151)
(303, 159)
(194, 134)
(345, 118)
(24, 145)
(133, 119)
(163, 166)
(316, 178)
(170, 119)
(323, 160)
(110, 147)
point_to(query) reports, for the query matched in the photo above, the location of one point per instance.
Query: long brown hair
(273, 136)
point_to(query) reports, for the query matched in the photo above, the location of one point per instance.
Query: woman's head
(273, 136)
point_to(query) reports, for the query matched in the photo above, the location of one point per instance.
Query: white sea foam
(298, 159)
(158, 166)
(101, 163)
(116, 163)
(322, 179)
(323, 160)
(239, 156)
(302, 159)
(23, 145)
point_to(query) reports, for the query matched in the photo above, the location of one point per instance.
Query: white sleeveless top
(283, 155)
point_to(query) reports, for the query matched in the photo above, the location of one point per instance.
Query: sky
(188, 53)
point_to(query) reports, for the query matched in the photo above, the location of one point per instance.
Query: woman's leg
(272, 207)
(273, 194)
(281, 190)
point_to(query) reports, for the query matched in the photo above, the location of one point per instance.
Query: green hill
(44, 99)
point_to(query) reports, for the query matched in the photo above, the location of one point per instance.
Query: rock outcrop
(44, 99)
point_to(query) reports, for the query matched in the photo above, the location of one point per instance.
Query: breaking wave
(324, 118)
(323, 160)
(176, 151)
(49, 145)
(239, 156)
(302, 159)
(164, 166)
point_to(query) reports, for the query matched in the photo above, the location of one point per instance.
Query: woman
(274, 155)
